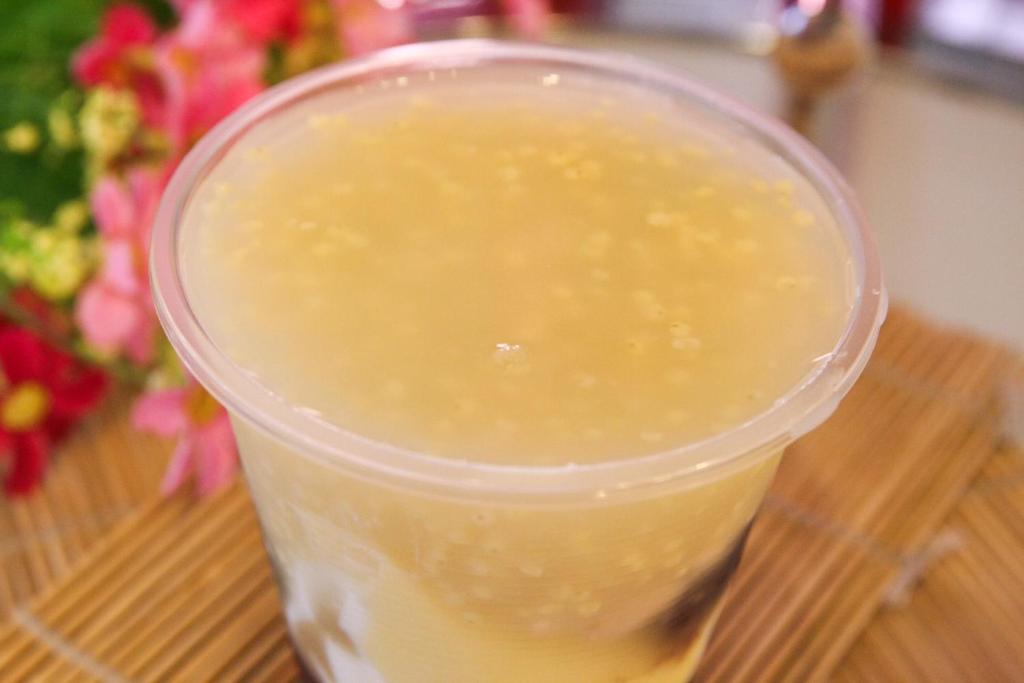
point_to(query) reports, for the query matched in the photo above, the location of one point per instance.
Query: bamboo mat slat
(966, 620)
(181, 591)
(880, 476)
(909, 432)
(99, 477)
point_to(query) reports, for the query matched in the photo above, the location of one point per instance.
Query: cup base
(305, 673)
(686, 618)
(686, 625)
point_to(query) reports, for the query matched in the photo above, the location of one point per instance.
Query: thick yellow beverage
(517, 268)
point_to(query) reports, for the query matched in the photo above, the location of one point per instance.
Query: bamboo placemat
(860, 511)
(99, 477)
(966, 621)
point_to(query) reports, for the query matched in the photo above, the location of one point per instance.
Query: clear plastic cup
(401, 567)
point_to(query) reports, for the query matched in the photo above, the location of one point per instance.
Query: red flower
(43, 392)
(53, 319)
(121, 57)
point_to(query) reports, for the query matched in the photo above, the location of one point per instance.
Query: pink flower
(207, 69)
(114, 310)
(121, 57)
(122, 212)
(261, 20)
(529, 17)
(188, 79)
(367, 25)
(206, 446)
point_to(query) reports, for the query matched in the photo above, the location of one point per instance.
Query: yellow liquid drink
(496, 286)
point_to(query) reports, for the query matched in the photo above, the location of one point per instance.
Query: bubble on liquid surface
(511, 358)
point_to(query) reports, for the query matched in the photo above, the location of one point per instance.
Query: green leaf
(161, 11)
(36, 43)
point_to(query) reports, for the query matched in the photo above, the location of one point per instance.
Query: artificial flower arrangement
(93, 125)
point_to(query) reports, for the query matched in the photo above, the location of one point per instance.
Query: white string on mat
(63, 649)
(17, 544)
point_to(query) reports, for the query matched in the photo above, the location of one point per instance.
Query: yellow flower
(71, 216)
(25, 407)
(62, 128)
(60, 263)
(15, 250)
(108, 121)
(22, 138)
